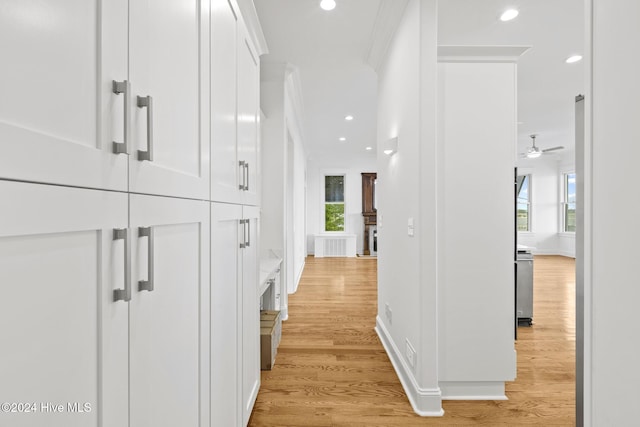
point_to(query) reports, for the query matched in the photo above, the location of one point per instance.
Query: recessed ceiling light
(342, 138)
(508, 15)
(348, 118)
(369, 148)
(573, 59)
(328, 4)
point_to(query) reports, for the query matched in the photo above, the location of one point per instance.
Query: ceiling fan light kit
(534, 152)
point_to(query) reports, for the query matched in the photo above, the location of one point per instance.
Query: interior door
(248, 110)
(226, 172)
(226, 264)
(250, 313)
(64, 342)
(169, 73)
(169, 316)
(59, 115)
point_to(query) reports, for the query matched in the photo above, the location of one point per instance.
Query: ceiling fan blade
(546, 150)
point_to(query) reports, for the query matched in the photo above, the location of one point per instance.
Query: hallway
(331, 369)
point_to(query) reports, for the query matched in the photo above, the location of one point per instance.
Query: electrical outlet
(411, 354)
(388, 313)
(410, 227)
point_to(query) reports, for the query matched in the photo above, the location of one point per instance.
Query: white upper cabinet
(65, 339)
(226, 172)
(169, 102)
(59, 115)
(248, 116)
(235, 94)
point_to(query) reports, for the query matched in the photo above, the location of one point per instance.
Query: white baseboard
(298, 277)
(473, 390)
(425, 402)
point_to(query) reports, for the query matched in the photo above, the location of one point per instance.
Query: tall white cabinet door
(250, 313)
(169, 73)
(226, 237)
(59, 115)
(226, 171)
(248, 116)
(64, 338)
(169, 312)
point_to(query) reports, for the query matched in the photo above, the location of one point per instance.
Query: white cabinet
(250, 323)
(62, 262)
(64, 338)
(235, 325)
(235, 94)
(61, 112)
(169, 312)
(248, 116)
(226, 172)
(169, 103)
(59, 115)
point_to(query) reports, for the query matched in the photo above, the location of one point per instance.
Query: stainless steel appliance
(524, 287)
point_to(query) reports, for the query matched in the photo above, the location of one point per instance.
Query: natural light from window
(524, 203)
(334, 203)
(569, 202)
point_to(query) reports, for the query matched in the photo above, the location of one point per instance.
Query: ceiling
(330, 49)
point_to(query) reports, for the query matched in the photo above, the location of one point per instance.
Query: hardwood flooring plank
(331, 369)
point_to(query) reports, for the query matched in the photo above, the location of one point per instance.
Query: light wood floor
(331, 369)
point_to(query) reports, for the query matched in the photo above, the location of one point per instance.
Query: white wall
(283, 171)
(545, 210)
(407, 82)
(354, 222)
(477, 134)
(611, 250)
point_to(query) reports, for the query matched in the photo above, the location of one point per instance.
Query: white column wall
(407, 190)
(612, 203)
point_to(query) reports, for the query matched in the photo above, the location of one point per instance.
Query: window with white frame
(569, 202)
(523, 205)
(334, 202)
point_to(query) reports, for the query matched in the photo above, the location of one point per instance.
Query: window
(523, 209)
(569, 202)
(334, 203)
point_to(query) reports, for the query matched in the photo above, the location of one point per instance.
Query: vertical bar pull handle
(124, 294)
(243, 167)
(246, 172)
(248, 222)
(122, 88)
(147, 102)
(147, 285)
(243, 243)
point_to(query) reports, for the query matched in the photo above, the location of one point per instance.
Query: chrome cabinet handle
(243, 167)
(147, 101)
(123, 294)
(248, 222)
(246, 171)
(147, 285)
(244, 234)
(122, 88)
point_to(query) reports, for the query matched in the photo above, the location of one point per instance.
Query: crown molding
(250, 17)
(389, 15)
(481, 53)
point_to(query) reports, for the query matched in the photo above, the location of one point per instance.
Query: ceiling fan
(534, 152)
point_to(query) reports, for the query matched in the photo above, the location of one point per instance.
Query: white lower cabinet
(235, 325)
(70, 351)
(65, 341)
(169, 312)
